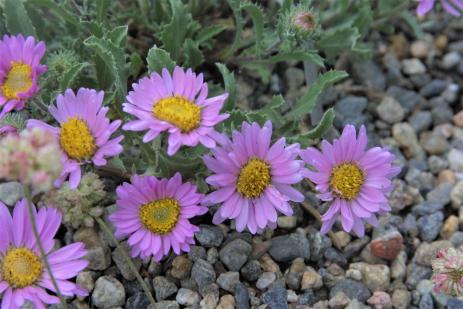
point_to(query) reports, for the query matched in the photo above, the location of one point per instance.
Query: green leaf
(306, 104)
(118, 35)
(235, 5)
(102, 7)
(16, 19)
(234, 121)
(323, 126)
(193, 56)
(311, 55)
(230, 86)
(257, 17)
(113, 58)
(95, 28)
(174, 33)
(136, 64)
(413, 23)
(70, 75)
(208, 33)
(272, 110)
(338, 41)
(158, 59)
(58, 10)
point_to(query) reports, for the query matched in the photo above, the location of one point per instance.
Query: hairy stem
(128, 260)
(311, 210)
(28, 194)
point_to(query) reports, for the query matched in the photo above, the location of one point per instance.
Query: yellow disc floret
(254, 178)
(346, 180)
(160, 216)
(76, 140)
(178, 111)
(18, 80)
(21, 267)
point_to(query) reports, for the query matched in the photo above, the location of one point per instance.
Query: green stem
(28, 194)
(128, 260)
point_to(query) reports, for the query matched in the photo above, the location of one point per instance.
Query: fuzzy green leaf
(230, 86)
(337, 41)
(102, 7)
(257, 17)
(235, 5)
(118, 35)
(16, 19)
(323, 126)
(136, 64)
(113, 58)
(58, 10)
(70, 75)
(306, 104)
(208, 33)
(174, 33)
(158, 59)
(193, 56)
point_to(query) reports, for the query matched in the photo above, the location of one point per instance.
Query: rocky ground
(409, 97)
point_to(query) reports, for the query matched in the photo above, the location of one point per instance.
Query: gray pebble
(235, 254)
(288, 247)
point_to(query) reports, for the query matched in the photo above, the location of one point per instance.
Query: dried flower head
(448, 272)
(79, 206)
(33, 157)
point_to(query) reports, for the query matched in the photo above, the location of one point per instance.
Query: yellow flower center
(21, 267)
(254, 178)
(160, 216)
(18, 80)
(76, 140)
(178, 111)
(346, 180)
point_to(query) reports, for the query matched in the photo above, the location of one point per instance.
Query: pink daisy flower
(23, 276)
(84, 132)
(453, 7)
(20, 69)
(254, 178)
(354, 179)
(154, 214)
(177, 104)
(448, 272)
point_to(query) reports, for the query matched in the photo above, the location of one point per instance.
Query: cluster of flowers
(253, 177)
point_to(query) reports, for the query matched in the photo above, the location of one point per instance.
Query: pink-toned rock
(380, 300)
(458, 119)
(387, 246)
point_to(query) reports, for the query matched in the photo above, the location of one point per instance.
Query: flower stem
(28, 194)
(129, 262)
(317, 216)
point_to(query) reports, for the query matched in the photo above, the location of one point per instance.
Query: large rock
(288, 247)
(108, 293)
